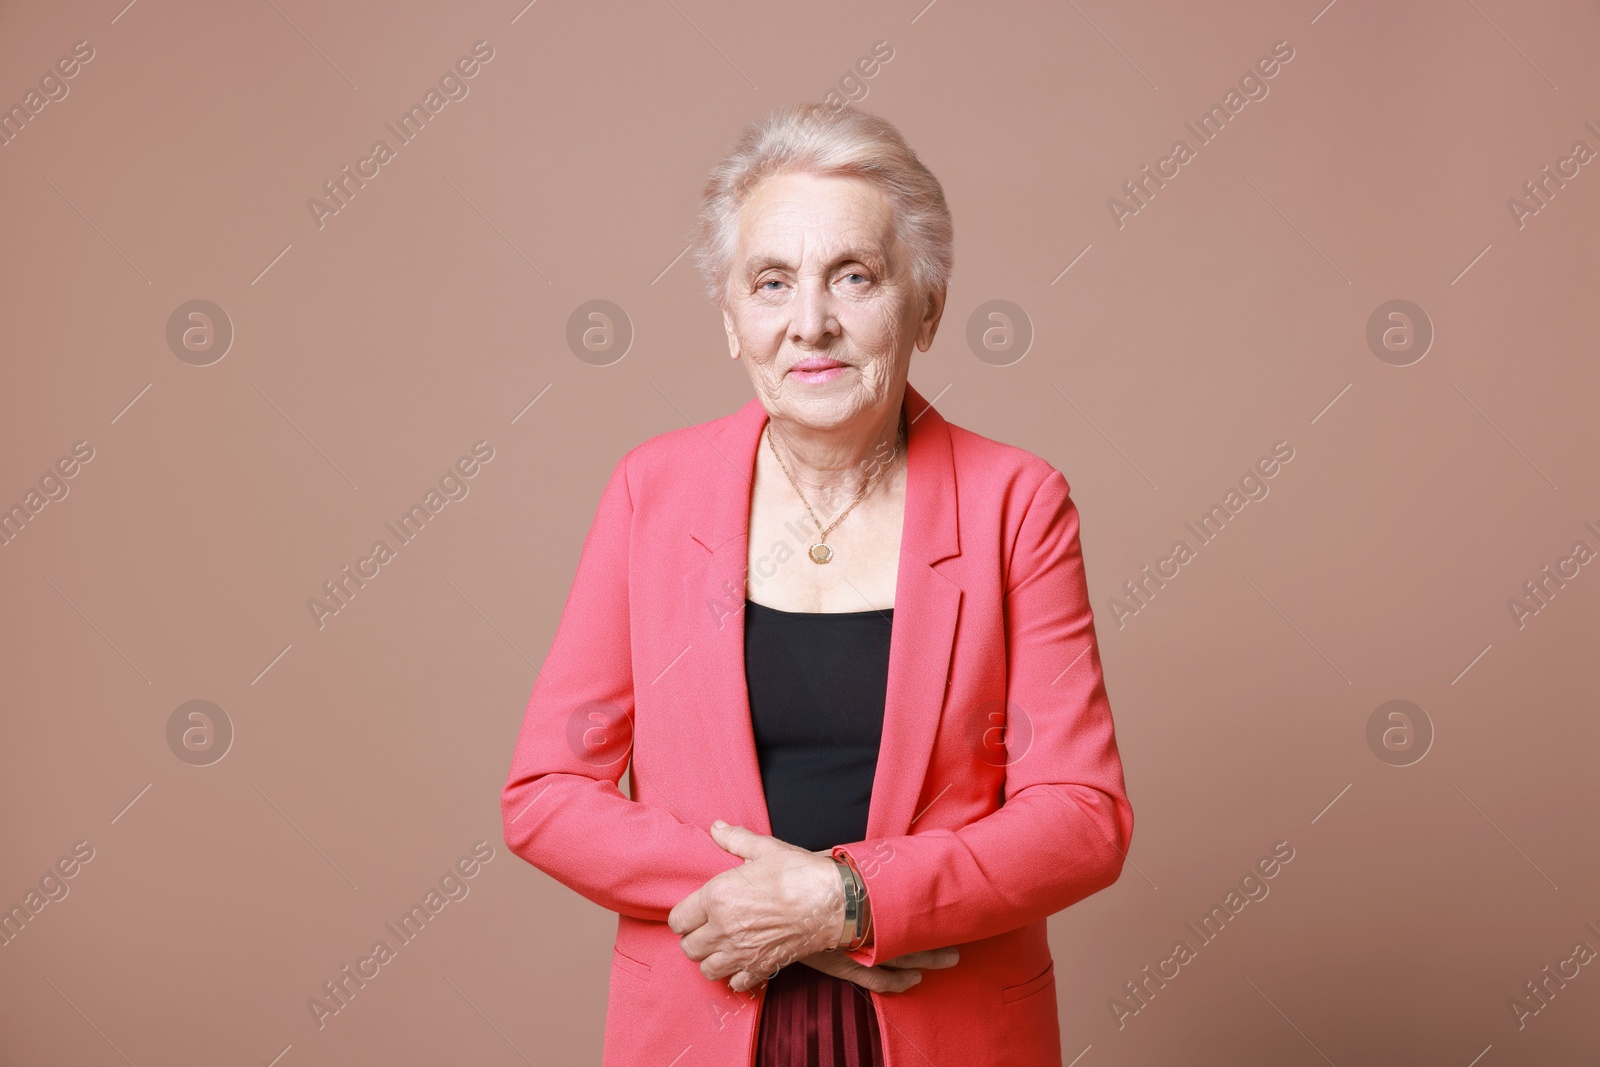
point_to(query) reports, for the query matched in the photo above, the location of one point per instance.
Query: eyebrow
(760, 261)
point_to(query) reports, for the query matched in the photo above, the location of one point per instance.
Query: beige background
(370, 353)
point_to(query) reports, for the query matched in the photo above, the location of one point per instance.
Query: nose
(812, 321)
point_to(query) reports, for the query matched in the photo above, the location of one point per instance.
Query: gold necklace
(820, 552)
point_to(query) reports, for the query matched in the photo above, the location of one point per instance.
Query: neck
(833, 464)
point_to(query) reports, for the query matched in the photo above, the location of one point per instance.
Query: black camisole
(817, 682)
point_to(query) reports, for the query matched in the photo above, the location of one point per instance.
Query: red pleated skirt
(812, 1019)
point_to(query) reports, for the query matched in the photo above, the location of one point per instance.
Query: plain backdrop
(1152, 355)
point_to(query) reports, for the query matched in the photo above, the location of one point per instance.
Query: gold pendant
(820, 553)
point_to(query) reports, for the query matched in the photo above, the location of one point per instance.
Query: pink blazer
(975, 834)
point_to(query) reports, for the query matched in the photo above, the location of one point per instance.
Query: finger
(719, 965)
(880, 979)
(887, 980)
(744, 981)
(936, 959)
(747, 973)
(701, 942)
(688, 914)
(746, 844)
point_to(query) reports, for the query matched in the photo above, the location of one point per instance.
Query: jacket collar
(927, 604)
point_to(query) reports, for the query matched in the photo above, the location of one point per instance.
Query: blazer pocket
(638, 968)
(1014, 993)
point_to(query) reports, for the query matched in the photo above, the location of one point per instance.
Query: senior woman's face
(821, 306)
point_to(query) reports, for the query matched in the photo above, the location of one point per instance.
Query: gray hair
(823, 140)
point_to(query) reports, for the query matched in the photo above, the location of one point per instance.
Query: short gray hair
(823, 140)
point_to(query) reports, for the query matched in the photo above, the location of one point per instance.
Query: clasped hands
(782, 905)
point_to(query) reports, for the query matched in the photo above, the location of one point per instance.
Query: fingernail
(718, 823)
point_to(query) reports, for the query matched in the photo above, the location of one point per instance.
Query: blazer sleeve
(1063, 829)
(561, 808)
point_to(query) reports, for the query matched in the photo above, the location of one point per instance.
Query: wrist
(856, 925)
(849, 910)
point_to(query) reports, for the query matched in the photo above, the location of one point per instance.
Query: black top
(817, 682)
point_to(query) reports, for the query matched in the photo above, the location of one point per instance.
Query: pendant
(820, 553)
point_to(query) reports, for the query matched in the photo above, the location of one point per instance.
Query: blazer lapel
(927, 605)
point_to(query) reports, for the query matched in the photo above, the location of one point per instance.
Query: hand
(782, 904)
(895, 976)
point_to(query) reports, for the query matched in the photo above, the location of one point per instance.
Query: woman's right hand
(894, 976)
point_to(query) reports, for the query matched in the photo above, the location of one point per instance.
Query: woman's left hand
(783, 903)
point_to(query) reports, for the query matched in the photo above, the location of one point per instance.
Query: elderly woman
(844, 648)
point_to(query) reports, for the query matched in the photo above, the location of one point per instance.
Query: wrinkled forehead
(810, 223)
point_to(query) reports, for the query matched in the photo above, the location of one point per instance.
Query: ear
(933, 311)
(732, 332)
